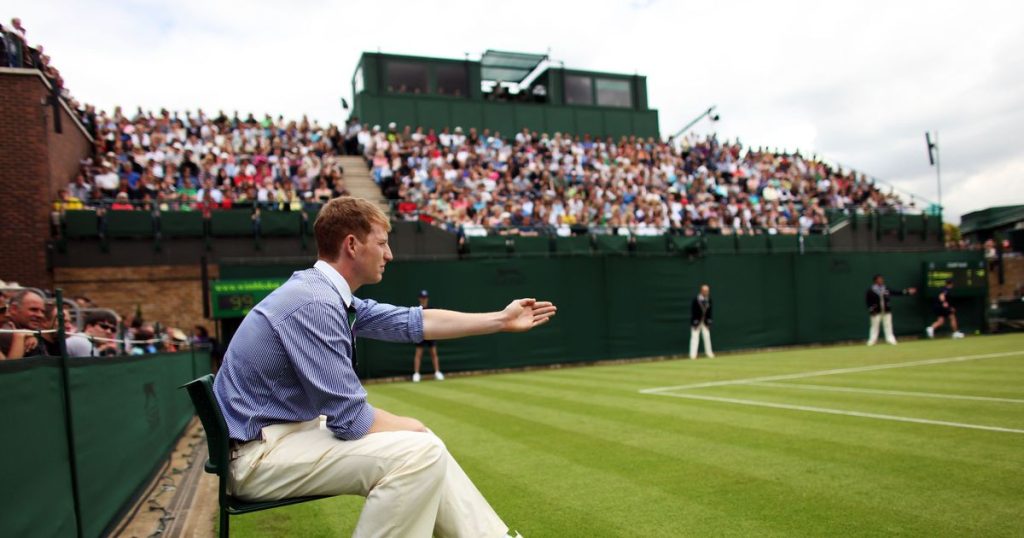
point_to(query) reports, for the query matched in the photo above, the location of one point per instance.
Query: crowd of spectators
(198, 162)
(29, 323)
(16, 52)
(472, 182)
(477, 182)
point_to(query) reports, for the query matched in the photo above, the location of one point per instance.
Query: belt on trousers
(234, 449)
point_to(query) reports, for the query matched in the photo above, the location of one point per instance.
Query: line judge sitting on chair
(292, 361)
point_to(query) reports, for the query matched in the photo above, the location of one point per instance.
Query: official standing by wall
(700, 322)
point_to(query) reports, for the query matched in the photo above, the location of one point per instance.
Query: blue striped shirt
(291, 358)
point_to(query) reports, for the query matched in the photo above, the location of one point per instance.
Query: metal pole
(69, 429)
(938, 169)
(694, 121)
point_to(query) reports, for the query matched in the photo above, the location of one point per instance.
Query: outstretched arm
(519, 316)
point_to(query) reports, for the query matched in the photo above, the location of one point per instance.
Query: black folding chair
(201, 392)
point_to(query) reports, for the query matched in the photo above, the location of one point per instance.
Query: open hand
(525, 314)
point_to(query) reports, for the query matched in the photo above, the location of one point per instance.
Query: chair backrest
(201, 392)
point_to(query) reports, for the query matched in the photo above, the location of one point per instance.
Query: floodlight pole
(686, 127)
(938, 169)
(933, 159)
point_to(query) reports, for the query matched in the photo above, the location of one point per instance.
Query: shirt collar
(337, 281)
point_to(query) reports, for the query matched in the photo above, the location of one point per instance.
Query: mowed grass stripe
(669, 487)
(991, 414)
(579, 452)
(572, 426)
(898, 393)
(544, 490)
(722, 427)
(505, 470)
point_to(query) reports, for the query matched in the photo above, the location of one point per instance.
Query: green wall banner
(35, 470)
(625, 306)
(126, 414)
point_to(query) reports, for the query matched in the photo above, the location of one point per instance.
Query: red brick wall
(34, 162)
(170, 294)
(1013, 280)
(66, 150)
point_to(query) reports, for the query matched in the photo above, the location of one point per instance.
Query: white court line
(829, 411)
(802, 375)
(831, 388)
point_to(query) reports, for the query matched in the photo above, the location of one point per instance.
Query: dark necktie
(352, 330)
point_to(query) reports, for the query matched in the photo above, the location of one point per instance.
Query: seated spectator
(26, 310)
(95, 340)
(122, 202)
(66, 201)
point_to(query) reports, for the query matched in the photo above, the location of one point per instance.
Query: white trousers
(885, 320)
(413, 486)
(696, 333)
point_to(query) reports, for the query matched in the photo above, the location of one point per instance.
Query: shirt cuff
(360, 425)
(416, 324)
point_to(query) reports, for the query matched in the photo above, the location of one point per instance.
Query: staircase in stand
(360, 183)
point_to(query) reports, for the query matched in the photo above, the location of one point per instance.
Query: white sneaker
(711, 355)
(891, 342)
(930, 331)
(438, 375)
(958, 334)
(416, 377)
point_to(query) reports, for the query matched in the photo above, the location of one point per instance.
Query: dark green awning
(991, 218)
(508, 66)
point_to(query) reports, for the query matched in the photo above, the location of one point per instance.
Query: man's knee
(428, 454)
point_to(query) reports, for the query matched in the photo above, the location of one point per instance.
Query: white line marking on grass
(829, 411)
(831, 388)
(802, 375)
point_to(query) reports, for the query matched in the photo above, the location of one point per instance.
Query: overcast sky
(856, 82)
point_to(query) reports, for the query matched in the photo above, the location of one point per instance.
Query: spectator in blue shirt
(297, 413)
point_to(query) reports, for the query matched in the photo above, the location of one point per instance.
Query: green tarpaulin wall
(126, 414)
(636, 306)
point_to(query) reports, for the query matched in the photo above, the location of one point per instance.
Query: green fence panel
(280, 223)
(682, 244)
(35, 495)
(752, 244)
(127, 224)
(127, 414)
(648, 304)
(311, 219)
(720, 244)
(532, 245)
(638, 306)
(611, 244)
(231, 223)
(579, 244)
(489, 246)
(816, 244)
(889, 222)
(784, 244)
(576, 284)
(652, 244)
(915, 223)
(181, 224)
(81, 224)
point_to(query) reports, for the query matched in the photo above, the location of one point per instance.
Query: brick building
(35, 162)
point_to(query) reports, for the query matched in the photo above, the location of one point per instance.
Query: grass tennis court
(924, 439)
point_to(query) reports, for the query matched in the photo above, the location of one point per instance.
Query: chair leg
(223, 523)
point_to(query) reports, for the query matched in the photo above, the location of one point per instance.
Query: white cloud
(856, 82)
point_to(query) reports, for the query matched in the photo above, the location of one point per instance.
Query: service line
(837, 371)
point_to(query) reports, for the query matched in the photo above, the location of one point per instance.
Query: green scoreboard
(969, 278)
(235, 298)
